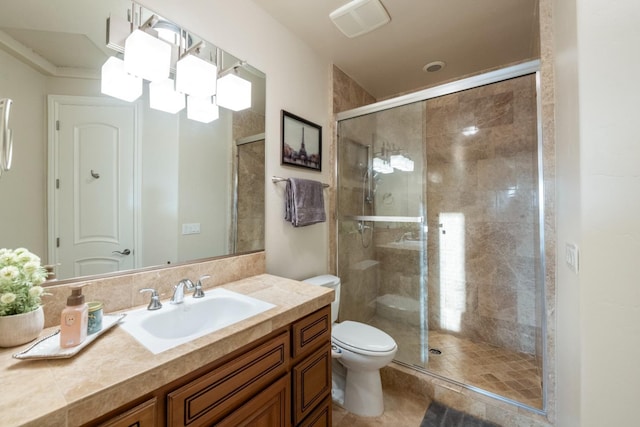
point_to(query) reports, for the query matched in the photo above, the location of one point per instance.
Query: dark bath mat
(438, 415)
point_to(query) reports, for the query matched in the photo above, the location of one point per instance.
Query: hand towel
(304, 202)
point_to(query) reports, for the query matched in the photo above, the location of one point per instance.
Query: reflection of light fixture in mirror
(401, 162)
(196, 76)
(234, 92)
(470, 130)
(163, 96)
(382, 166)
(118, 83)
(202, 109)
(146, 56)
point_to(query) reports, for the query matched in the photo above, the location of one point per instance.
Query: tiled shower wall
(485, 185)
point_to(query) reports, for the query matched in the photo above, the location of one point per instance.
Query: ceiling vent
(359, 17)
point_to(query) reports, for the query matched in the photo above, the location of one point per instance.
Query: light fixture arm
(195, 49)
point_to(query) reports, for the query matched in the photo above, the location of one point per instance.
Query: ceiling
(468, 35)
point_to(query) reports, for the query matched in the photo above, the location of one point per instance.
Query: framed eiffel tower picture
(301, 142)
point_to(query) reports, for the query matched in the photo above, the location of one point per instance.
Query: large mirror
(182, 190)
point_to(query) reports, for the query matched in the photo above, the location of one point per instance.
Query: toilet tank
(332, 282)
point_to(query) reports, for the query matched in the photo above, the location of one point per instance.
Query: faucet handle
(155, 303)
(198, 292)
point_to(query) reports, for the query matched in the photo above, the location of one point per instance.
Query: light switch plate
(192, 228)
(571, 255)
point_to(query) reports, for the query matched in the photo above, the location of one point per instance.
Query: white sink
(176, 324)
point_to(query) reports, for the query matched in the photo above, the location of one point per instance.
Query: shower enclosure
(247, 212)
(440, 230)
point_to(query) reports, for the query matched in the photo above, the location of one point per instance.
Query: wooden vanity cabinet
(281, 380)
(311, 367)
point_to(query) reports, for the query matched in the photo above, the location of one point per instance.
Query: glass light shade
(195, 76)
(146, 56)
(202, 109)
(118, 83)
(163, 97)
(234, 93)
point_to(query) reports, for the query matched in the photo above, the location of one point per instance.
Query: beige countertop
(116, 369)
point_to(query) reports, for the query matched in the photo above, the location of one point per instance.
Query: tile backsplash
(123, 291)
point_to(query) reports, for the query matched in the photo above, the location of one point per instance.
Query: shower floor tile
(507, 373)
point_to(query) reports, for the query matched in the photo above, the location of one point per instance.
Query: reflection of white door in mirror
(94, 197)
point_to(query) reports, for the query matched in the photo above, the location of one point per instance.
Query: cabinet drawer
(311, 381)
(143, 415)
(309, 332)
(215, 394)
(319, 417)
(269, 408)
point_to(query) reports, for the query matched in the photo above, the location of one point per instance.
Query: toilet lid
(363, 337)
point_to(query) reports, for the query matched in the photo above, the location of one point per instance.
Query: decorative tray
(49, 346)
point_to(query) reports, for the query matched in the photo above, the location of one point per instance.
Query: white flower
(7, 298)
(36, 291)
(9, 273)
(30, 267)
(7, 258)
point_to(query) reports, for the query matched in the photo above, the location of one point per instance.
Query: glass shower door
(382, 230)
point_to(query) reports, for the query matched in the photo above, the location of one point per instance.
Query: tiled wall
(122, 291)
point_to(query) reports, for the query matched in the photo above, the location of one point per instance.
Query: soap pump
(74, 319)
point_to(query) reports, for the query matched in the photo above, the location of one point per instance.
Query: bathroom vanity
(273, 369)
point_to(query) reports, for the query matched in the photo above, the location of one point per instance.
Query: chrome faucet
(178, 291)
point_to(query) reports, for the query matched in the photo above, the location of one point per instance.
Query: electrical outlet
(193, 228)
(571, 254)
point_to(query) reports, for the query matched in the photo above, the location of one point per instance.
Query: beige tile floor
(506, 373)
(400, 410)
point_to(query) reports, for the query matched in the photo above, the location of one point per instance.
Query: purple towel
(304, 202)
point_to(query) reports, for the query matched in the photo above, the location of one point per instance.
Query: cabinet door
(311, 382)
(212, 396)
(270, 408)
(310, 332)
(319, 417)
(143, 415)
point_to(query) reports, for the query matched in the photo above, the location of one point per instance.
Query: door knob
(125, 252)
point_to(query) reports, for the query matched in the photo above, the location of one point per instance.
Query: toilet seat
(363, 339)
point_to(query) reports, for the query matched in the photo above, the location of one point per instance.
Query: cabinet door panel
(311, 382)
(320, 417)
(212, 396)
(309, 332)
(270, 408)
(143, 415)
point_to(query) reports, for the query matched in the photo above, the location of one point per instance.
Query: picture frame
(301, 142)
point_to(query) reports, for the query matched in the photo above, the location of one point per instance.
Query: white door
(94, 191)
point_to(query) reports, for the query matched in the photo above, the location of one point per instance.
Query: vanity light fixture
(202, 109)
(164, 97)
(147, 56)
(234, 92)
(118, 83)
(194, 75)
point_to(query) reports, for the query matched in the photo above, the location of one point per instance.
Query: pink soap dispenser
(74, 319)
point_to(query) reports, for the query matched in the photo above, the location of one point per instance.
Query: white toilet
(362, 350)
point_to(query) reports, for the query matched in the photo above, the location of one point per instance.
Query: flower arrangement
(20, 278)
